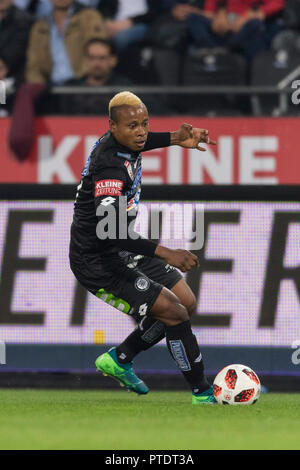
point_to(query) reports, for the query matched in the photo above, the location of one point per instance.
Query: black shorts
(131, 287)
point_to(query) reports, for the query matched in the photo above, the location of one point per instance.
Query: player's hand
(181, 259)
(198, 136)
(190, 137)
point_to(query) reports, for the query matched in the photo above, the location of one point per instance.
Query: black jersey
(111, 171)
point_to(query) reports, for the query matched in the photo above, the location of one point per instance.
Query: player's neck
(123, 147)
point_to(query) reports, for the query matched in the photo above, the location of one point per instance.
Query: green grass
(45, 419)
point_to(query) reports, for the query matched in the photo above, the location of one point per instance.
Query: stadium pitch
(44, 419)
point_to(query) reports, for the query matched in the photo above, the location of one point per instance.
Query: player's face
(132, 127)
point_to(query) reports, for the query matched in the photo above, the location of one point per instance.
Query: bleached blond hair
(124, 98)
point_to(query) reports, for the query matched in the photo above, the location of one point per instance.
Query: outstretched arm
(187, 136)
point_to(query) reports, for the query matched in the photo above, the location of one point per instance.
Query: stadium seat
(269, 68)
(214, 67)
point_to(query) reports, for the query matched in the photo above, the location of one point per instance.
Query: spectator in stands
(100, 61)
(14, 31)
(170, 30)
(289, 38)
(128, 21)
(56, 47)
(244, 25)
(169, 38)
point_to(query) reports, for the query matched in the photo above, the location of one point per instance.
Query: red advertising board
(248, 151)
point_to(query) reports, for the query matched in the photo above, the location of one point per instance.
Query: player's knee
(178, 312)
(191, 305)
(169, 309)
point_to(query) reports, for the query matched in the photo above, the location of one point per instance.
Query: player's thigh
(168, 309)
(159, 271)
(148, 297)
(169, 277)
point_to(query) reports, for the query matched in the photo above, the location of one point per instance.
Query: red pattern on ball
(231, 378)
(251, 375)
(244, 396)
(217, 390)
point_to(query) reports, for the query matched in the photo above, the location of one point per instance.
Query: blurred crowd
(93, 43)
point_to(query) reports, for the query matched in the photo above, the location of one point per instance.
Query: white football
(236, 385)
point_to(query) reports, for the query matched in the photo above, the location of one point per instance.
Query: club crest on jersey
(108, 188)
(142, 283)
(129, 169)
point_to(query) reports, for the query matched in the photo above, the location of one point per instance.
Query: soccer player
(134, 274)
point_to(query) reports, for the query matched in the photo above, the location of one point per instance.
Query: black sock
(184, 349)
(147, 333)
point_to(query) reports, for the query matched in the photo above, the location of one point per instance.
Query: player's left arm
(187, 136)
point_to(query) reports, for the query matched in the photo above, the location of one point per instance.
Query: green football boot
(108, 364)
(204, 398)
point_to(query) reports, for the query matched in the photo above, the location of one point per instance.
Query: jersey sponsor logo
(108, 188)
(142, 283)
(153, 333)
(143, 309)
(169, 268)
(199, 358)
(134, 261)
(116, 302)
(107, 201)
(129, 169)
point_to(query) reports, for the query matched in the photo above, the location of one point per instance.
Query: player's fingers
(196, 260)
(191, 266)
(186, 265)
(188, 127)
(192, 262)
(197, 263)
(202, 149)
(207, 139)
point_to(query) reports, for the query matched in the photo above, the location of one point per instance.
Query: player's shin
(148, 333)
(184, 349)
